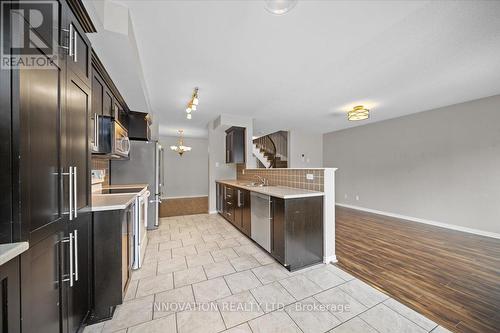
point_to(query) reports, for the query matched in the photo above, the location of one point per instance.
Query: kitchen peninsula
(287, 212)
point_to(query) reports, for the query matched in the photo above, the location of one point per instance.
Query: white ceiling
(303, 70)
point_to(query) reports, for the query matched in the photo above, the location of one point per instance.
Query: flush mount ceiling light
(358, 113)
(193, 103)
(180, 148)
(279, 7)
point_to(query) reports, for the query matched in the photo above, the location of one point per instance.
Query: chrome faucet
(263, 180)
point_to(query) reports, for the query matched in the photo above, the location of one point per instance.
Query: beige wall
(305, 150)
(186, 176)
(441, 165)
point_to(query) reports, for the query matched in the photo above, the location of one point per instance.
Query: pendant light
(279, 7)
(180, 148)
(193, 103)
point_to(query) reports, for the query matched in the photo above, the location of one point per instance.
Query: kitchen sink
(257, 185)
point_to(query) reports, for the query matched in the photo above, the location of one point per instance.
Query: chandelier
(180, 148)
(279, 7)
(358, 113)
(193, 103)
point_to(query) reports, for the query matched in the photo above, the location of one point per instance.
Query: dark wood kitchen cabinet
(78, 52)
(297, 231)
(10, 296)
(235, 145)
(47, 158)
(228, 204)
(77, 146)
(235, 206)
(120, 114)
(43, 279)
(242, 213)
(112, 244)
(139, 126)
(79, 294)
(106, 101)
(50, 109)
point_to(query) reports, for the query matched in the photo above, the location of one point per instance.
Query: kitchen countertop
(102, 202)
(11, 250)
(274, 191)
(125, 186)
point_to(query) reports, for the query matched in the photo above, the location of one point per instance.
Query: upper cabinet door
(97, 105)
(40, 92)
(107, 103)
(77, 153)
(78, 58)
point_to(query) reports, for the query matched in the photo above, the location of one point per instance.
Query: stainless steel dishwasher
(261, 219)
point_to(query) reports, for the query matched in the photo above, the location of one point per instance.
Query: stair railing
(267, 146)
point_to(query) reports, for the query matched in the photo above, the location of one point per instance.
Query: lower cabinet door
(246, 218)
(79, 293)
(278, 229)
(10, 319)
(42, 281)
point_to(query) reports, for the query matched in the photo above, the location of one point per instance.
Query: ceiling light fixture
(180, 148)
(358, 113)
(280, 7)
(193, 103)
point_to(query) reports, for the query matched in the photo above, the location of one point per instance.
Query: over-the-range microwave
(110, 138)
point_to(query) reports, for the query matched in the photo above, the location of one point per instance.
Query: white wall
(441, 165)
(217, 167)
(186, 176)
(308, 144)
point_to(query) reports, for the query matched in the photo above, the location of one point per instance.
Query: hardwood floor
(184, 206)
(449, 276)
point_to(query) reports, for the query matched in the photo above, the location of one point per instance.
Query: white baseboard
(330, 259)
(212, 212)
(419, 220)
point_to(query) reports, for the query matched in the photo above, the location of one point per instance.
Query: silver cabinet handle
(70, 191)
(71, 35)
(70, 259)
(239, 202)
(70, 174)
(75, 244)
(96, 133)
(75, 58)
(71, 273)
(75, 194)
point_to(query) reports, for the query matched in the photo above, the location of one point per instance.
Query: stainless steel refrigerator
(145, 166)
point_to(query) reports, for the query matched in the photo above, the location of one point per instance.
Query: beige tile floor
(200, 274)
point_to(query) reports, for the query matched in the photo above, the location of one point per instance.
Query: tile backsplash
(284, 177)
(101, 164)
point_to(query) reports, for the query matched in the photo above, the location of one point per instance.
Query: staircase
(264, 149)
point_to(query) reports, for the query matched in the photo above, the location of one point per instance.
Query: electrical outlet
(216, 164)
(357, 198)
(243, 171)
(345, 196)
(309, 176)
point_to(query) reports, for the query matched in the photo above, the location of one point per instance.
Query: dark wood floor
(451, 277)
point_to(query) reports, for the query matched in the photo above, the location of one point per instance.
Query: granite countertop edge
(293, 193)
(11, 250)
